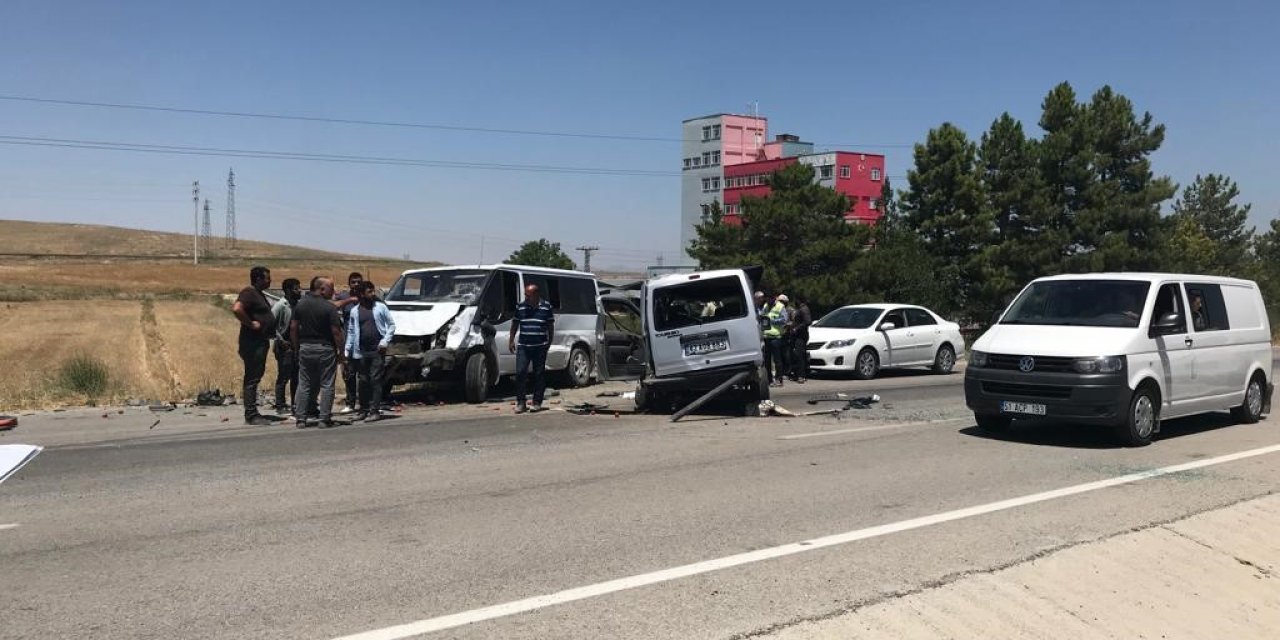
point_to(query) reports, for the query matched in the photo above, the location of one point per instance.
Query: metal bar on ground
(706, 397)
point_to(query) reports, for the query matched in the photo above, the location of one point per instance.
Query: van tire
(1250, 411)
(867, 365)
(944, 362)
(1142, 419)
(476, 383)
(992, 423)
(577, 370)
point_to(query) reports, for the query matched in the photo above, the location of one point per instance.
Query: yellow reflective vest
(776, 316)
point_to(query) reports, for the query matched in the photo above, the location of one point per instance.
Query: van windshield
(1080, 303)
(699, 302)
(850, 318)
(456, 285)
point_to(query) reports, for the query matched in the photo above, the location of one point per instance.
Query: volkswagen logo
(1026, 364)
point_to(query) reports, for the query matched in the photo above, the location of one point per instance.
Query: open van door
(620, 334)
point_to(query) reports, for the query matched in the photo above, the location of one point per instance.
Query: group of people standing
(314, 334)
(785, 329)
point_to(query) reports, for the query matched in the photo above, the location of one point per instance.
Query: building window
(875, 174)
(844, 171)
(715, 132)
(715, 157)
(824, 172)
(731, 209)
(706, 158)
(697, 162)
(706, 212)
(715, 183)
(706, 134)
(873, 204)
(688, 162)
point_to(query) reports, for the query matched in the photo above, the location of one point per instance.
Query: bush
(84, 374)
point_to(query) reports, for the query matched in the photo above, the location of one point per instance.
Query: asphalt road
(275, 533)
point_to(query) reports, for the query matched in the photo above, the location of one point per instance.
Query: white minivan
(1126, 350)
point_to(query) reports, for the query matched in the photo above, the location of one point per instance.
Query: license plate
(1023, 408)
(703, 348)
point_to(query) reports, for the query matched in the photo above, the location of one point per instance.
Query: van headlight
(1108, 364)
(978, 359)
(840, 344)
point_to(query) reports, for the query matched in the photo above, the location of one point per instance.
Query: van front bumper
(1099, 398)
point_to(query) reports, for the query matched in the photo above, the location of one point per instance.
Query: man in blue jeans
(535, 322)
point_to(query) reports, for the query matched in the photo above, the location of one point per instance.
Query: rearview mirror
(888, 326)
(1168, 323)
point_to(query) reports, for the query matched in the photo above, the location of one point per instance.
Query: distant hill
(20, 236)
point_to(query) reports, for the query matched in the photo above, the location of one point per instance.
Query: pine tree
(1208, 203)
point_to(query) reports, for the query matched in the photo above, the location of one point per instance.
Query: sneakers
(360, 416)
(347, 410)
(328, 424)
(373, 417)
(520, 408)
(258, 421)
(537, 406)
(301, 424)
(284, 410)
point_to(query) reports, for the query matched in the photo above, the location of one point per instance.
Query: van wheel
(868, 364)
(945, 361)
(476, 384)
(1251, 411)
(992, 423)
(1143, 418)
(577, 373)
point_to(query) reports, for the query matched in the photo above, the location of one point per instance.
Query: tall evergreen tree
(1095, 159)
(946, 204)
(1208, 202)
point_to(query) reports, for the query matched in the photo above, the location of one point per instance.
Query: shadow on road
(1047, 433)
(886, 374)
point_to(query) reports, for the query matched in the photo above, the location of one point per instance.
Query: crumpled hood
(826, 334)
(1056, 341)
(422, 319)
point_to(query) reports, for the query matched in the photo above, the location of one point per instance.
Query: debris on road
(851, 401)
(8, 422)
(162, 407)
(14, 456)
(210, 398)
(153, 425)
(586, 408)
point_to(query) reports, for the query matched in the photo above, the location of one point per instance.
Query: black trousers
(286, 374)
(253, 352)
(372, 371)
(773, 362)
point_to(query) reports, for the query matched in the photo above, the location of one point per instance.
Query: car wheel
(992, 423)
(867, 366)
(476, 384)
(578, 371)
(945, 361)
(1142, 419)
(1251, 411)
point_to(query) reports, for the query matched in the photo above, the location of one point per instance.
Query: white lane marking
(836, 432)
(8, 526)
(665, 575)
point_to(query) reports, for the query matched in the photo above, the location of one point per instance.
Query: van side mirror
(1168, 323)
(888, 326)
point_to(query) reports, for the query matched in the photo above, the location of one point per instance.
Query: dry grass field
(79, 239)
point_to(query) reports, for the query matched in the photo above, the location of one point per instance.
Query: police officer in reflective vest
(773, 317)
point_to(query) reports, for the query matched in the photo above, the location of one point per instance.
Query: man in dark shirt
(800, 323)
(535, 322)
(316, 334)
(369, 332)
(346, 302)
(254, 313)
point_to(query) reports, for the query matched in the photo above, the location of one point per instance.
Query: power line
(231, 209)
(389, 123)
(319, 157)
(587, 250)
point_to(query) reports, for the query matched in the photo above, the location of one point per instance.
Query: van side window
(578, 295)
(499, 302)
(548, 288)
(1169, 300)
(1208, 309)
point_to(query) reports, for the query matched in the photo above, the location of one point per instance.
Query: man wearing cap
(773, 317)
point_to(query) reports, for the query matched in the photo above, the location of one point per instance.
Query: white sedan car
(863, 339)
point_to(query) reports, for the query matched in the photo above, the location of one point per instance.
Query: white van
(452, 324)
(701, 330)
(1126, 350)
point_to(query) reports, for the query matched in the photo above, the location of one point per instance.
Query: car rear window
(699, 302)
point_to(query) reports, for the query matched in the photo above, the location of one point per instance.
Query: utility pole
(587, 250)
(205, 230)
(195, 233)
(231, 209)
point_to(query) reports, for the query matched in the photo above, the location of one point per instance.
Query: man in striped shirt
(535, 323)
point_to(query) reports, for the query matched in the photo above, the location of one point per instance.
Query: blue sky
(836, 73)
